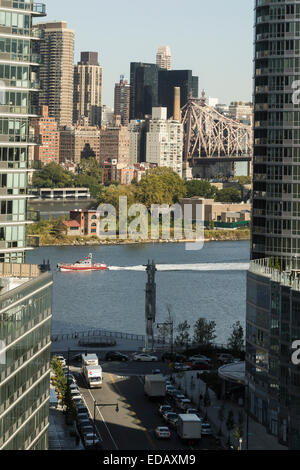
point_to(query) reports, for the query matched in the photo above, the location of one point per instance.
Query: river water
(209, 283)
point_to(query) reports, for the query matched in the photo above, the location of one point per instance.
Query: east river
(209, 283)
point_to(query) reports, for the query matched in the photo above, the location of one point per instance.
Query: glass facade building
(273, 295)
(168, 80)
(19, 86)
(25, 339)
(25, 293)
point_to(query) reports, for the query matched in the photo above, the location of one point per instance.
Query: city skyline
(127, 42)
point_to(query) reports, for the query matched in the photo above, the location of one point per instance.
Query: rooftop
(289, 277)
(13, 275)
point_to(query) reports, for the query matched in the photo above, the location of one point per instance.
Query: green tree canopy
(204, 331)
(236, 339)
(228, 195)
(200, 188)
(160, 186)
(52, 176)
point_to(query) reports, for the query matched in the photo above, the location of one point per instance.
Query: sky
(213, 38)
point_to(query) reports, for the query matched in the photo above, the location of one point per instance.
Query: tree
(112, 193)
(200, 188)
(277, 264)
(204, 331)
(160, 186)
(236, 339)
(52, 176)
(230, 424)
(237, 434)
(228, 195)
(270, 263)
(183, 337)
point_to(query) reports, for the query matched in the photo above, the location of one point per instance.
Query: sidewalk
(258, 438)
(60, 433)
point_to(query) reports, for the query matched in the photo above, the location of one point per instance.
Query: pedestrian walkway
(61, 436)
(258, 438)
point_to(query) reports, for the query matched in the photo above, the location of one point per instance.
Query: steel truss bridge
(210, 137)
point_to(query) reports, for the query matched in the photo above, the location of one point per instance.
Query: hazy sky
(214, 38)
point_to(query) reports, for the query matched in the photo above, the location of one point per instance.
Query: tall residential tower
(88, 89)
(56, 72)
(25, 291)
(273, 282)
(163, 57)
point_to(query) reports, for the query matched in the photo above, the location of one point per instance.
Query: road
(132, 428)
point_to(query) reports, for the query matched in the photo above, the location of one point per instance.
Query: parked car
(175, 357)
(73, 386)
(162, 432)
(156, 371)
(178, 396)
(77, 401)
(116, 356)
(193, 411)
(206, 429)
(200, 365)
(184, 404)
(145, 357)
(70, 379)
(77, 358)
(61, 359)
(225, 358)
(171, 418)
(86, 428)
(75, 393)
(164, 408)
(179, 367)
(170, 389)
(91, 440)
(83, 423)
(199, 357)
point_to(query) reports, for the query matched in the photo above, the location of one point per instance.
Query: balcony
(39, 9)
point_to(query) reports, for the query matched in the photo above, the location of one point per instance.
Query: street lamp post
(94, 418)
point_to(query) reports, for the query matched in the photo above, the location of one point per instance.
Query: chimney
(177, 110)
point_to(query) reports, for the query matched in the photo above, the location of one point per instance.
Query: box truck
(155, 386)
(93, 376)
(189, 428)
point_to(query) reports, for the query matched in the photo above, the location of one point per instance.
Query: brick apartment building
(82, 223)
(46, 129)
(79, 141)
(114, 145)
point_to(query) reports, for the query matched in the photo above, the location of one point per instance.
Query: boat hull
(83, 269)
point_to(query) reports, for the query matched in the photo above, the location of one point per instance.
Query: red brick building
(87, 221)
(46, 128)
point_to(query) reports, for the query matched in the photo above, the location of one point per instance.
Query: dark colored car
(175, 357)
(116, 356)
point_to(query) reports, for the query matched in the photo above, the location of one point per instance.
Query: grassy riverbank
(48, 236)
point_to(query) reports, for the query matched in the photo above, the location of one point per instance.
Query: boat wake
(188, 267)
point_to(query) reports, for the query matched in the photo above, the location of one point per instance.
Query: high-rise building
(19, 71)
(168, 80)
(88, 89)
(137, 141)
(151, 86)
(122, 100)
(273, 284)
(47, 132)
(57, 70)
(114, 145)
(163, 57)
(25, 292)
(143, 89)
(79, 141)
(164, 145)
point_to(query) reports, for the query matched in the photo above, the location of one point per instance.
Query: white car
(162, 432)
(199, 358)
(91, 440)
(61, 359)
(145, 357)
